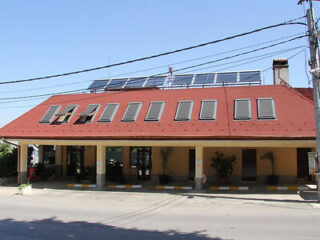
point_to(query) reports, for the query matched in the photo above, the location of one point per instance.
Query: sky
(46, 37)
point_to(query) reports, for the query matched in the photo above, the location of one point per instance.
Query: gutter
(19, 156)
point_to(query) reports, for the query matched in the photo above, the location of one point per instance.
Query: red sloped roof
(307, 92)
(295, 116)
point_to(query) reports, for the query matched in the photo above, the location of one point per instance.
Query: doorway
(302, 163)
(75, 158)
(192, 163)
(141, 157)
(249, 165)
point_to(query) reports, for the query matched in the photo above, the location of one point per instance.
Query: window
(48, 117)
(132, 112)
(208, 110)
(109, 112)
(184, 110)
(155, 111)
(65, 115)
(88, 114)
(242, 109)
(49, 154)
(114, 155)
(266, 108)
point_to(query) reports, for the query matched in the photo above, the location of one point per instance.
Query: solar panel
(254, 76)
(117, 83)
(90, 109)
(227, 77)
(155, 111)
(47, 118)
(266, 109)
(242, 109)
(184, 110)
(155, 81)
(135, 82)
(66, 110)
(109, 112)
(132, 112)
(182, 80)
(207, 78)
(208, 110)
(98, 84)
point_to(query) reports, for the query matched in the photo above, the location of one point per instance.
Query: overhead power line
(290, 22)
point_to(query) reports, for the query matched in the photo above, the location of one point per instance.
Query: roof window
(65, 115)
(88, 114)
(132, 112)
(242, 109)
(208, 110)
(266, 108)
(109, 112)
(49, 115)
(184, 110)
(155, 111)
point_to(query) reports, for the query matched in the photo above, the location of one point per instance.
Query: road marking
(284, 188)
(81, 185)
(232, 188)
(125, 186)
(174, 187)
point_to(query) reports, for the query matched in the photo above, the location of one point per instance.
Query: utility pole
(315, 71)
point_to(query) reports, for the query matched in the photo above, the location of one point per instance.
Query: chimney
(280, 71)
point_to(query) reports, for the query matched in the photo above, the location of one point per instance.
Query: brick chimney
(280, 71)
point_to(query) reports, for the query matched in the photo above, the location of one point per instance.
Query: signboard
(312, 160)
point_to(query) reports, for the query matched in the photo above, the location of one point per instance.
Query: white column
(101, 166)
(23, 163)
(58, 161)
(199, 167)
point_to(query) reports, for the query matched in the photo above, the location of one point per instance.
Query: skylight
(109, 112)
(132, 112)
(184, 110)
(242, 109)
(49, 115)
(65, 114)
(155, 111)
(208, 110)
(266, 108)
(88, 114)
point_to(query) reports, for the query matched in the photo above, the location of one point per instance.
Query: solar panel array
(180, 81)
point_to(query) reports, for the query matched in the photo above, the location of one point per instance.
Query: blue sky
(39, 38)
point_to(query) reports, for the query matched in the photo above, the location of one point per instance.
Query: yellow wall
(90, 156)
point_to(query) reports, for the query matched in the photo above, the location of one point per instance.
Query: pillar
(101, 166)
(40, 153)
(23, 163)
(199, 168)
(58, 161)
(64, 160)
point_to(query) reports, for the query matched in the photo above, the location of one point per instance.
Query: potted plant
(223, 166)
(271, 179)
(165, 153)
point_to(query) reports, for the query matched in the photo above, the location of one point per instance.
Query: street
(71, 214)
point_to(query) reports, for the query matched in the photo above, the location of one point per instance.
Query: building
(124, 131)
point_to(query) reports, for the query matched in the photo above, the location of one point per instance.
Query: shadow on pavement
(309, 196)
(234, 197)
(57, 230)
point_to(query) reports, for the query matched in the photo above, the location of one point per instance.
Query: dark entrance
(192, 164)
(302, 163)
(141, 157)
(249, 165)
(114, 164)
(75, 158)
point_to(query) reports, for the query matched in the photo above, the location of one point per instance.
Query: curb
(276, 188)
(227, 188)
(125, 186)
(81, 185)
(173, 187)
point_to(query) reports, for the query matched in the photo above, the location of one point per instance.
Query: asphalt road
(82, 215)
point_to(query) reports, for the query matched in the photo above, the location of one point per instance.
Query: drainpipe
(19, 155)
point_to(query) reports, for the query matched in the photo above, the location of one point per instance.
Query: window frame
(214, 117)
(273, 109)
(136, 113)
(160, 112)
(52, 116)
(235, 117)
(190, 111)
(66, 115)
(90, 120)
(113, 113)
